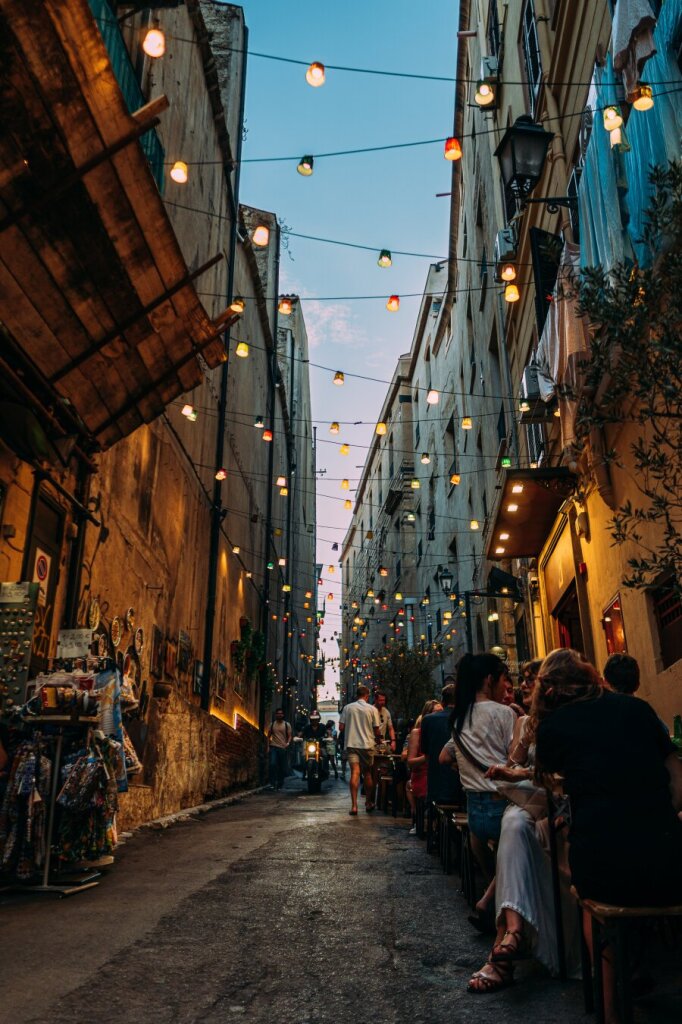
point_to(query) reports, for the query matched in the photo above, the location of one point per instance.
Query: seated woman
(624, 781)
(416, 762)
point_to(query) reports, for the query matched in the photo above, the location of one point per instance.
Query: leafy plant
(404, 674)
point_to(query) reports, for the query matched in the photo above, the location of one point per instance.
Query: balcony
(124, 72)
(399, 482)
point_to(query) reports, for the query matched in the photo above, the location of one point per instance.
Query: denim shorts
(484, 811)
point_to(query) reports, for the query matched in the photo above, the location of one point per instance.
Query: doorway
(41, 565)
(567, 618)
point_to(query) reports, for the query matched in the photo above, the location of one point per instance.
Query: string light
(344, 449)
(285, 305)
(315, 75)
(154, 43)
(616, 137)
(385, 259)
(345, 486)
(511, 293)
(425, 458)
(642, 98)
(393, 304)
(334, 428)
(508, 272)
(259, 423)
(612, 118)
(236, 549)
(179, 172)
(242, 350)
(305, 166)
(380, 428)
(283, 492)
(339, 378)
(237, 305)
(467, 423)
(189, 412)
(485, 92)
(281, 561)
(221, 474)
(281, 481)
(261, 236)
(473, 525)
(453, 149)
(267, 434)
(432, 397)
(348, 504)
(415, 484)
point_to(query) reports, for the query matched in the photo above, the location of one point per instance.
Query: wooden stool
(467, 868)
(444, 814)
(610, 927)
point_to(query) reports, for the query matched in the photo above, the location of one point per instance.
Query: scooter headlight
(312, 748)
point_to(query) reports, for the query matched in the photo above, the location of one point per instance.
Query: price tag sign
(13, 593)
(73, 643)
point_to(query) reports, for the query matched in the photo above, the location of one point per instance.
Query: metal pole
(290, 479)
(216, 507)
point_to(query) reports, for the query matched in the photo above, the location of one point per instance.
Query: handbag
(524, 794)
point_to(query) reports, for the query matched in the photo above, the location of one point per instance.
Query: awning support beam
(121, 328)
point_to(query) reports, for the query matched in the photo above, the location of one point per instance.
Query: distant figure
(442, 783)
(359, 724)
(279, 738)
(330, 747)
(386, 730)
(621, 672)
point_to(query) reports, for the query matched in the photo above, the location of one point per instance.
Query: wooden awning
(528, 507)
(94, 288)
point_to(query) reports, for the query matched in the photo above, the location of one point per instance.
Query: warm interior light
(512, 508)
(499, 551)
(504, 536)
(179, 172)
(485, 93)
(414, 484)
(285, 305)
(237, 305)
(393, 303)
(154, 43)
(339, 378)
(432, 397)
(455, 479)
(267, 435)
(612, 118)
(508, 272)
(305, 166)
(517, 488)
(348, 504)
(473, 525)
(221, 474)
(511, 293)
(425, 458)
(345, 485)
(642, 98)
(344, 449)
(467, 423)
(453, 149)
(315, 75)
(242, 350)
(261, 235)
(385, 259)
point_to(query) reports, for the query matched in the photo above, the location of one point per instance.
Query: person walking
(330, 747)
(279, 738)
(359, 725)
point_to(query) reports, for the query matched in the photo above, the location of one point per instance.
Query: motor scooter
(316, 767)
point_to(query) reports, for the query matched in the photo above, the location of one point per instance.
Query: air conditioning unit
(490, 67)
(530, 385)
(505, 246)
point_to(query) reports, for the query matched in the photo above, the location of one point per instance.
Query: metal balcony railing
(124, 71)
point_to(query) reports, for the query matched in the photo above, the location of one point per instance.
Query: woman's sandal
(506, 952)
(482, 983)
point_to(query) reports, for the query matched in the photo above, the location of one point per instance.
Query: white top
(384, 721)
(359, 720)
(487, 737)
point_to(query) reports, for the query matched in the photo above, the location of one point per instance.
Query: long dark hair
(472, 671)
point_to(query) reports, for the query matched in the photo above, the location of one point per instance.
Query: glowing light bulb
(261, 235)
(179, 172)
(242, 350)
(642, 98)
(154, 43)
(432, 397)
(339, 378)
(305, 166)
(189, 412)
(237, 305)
(485, 93)
(511, 293)
(473, 525)
(425, 458)
(348, 504)
(345, 485)
(453, 149)
(380, 428)
(393, 303)
(385, 259)
(612, 118)
(467, 423)
(221, 474)
(315, 75)
(285, 305)
(344, 449)
(508, 272)
(455, 479)
(414, 484)
(267, 435)
(334, 428)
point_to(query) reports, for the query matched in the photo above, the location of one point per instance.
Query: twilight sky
(385, 200)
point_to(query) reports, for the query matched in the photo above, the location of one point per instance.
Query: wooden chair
(444, 814)
(610, 927)
(465, 858)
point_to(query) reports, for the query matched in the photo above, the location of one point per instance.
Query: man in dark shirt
(443, 785)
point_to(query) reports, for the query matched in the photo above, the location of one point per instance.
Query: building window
(417, 434)
(614, 629)
(531, 53)
(420, 551)
(667, 604)
(493, 29)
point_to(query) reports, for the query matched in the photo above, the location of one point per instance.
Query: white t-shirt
(385, 721)
(487, 737)
(359, 720)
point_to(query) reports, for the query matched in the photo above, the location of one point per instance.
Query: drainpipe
(216, 507)
(75, 571)
(290, 480)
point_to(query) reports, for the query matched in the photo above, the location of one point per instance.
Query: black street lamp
(522, 154)
(446, 579)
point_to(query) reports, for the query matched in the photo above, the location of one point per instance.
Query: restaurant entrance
(567, 617)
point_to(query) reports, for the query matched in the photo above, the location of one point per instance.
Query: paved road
(279, 910)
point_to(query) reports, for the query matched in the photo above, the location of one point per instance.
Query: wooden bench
(610, 927)
(465, 858)
(444, 814)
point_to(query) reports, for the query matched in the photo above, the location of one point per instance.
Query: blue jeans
(484, 811)
(278, 766)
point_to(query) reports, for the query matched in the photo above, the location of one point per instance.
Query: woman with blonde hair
(416, 762)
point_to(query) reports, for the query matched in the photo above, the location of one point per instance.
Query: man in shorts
(360, 726)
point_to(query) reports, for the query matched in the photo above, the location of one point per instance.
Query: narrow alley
(281, 901)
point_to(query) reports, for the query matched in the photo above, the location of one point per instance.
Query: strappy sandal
(506, 952)
(481, 983)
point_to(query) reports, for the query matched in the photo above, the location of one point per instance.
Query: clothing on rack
(24, 810)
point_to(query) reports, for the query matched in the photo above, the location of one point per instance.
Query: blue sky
(384, 199)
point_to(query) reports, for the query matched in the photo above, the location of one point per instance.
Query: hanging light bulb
(261, 235)
(398, 596)
(344, 449)
(467, 423)
(493, 617)
(267, 435)
(432, 397)
(453, 149)
(334, 428)
(642, 98)
(393, 303)
(612, 118)
(189, 412)
(305, 166)
(616, 137)
(285, 305)
(339, 378)
(286, 589)
(242, 350)
(511, 293)
(414, 484)
(348, 504)
(221, 474)
(385, 259)
(485, 92)
(259, 423)
(455, 479)
(380, 428)
(237, 305)
(345, 486)
(370, 592)
(281, 561)
(154, 43)
(425, 458)
(508, 272)
(383, 571)
(281, 481)
(236, 549)
(330, 596)
(473, 525)
(315, 75)
(179, 172)
(283, 492)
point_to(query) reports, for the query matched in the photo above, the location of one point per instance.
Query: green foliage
(634, 376)
(248, 652)
(405, 676)
(267, 684)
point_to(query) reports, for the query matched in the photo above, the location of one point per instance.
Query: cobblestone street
(280, 908)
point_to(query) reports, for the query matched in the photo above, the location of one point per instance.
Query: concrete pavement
(281, 909)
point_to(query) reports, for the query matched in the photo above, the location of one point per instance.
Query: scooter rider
(314, 730)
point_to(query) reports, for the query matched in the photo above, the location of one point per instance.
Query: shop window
(614, 629)
(667, 603)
